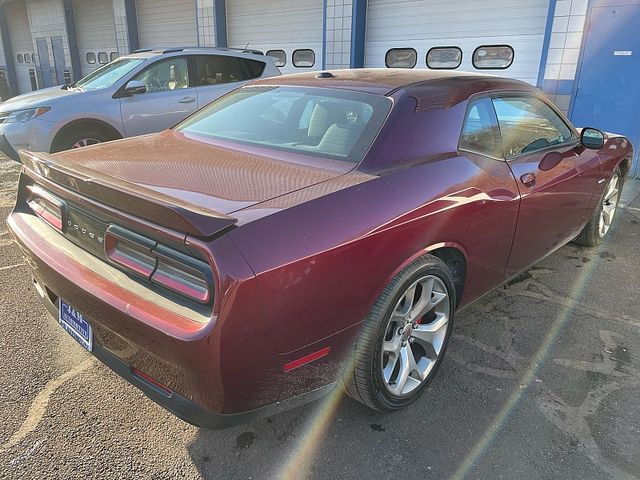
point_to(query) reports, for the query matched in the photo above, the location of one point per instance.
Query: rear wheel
(404, 337)
(602, 218)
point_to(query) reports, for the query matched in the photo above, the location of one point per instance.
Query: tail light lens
(164, 266)
(182, 274)
(46, 206)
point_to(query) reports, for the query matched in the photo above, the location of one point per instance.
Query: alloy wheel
(415, 335)
(85, 142)
(609, 205)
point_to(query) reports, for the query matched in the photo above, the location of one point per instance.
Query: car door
(169, 98)
(215, 75)
(555, 175)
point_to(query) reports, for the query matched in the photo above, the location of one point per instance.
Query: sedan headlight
(22, 116)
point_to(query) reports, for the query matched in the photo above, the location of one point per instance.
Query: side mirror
(134, 87)
(592, 138)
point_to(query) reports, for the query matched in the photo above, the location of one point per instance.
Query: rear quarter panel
(320, 265)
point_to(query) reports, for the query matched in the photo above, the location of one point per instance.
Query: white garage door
(278, 25)
(21, 43)
(167, 23)
(465, 24)
(96, 33)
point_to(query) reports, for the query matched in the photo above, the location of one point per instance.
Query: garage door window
(444, 57)
(216, 69)
(91, 58)
(401, 58)
(113, 56)
(528, 124)
(480, 133)
(304, 58)
(20, 58)
(494, 57)
(103, 58)
(279, 57)
(169, 74)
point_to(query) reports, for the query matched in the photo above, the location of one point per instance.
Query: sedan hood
(200, 182)
(39, 98)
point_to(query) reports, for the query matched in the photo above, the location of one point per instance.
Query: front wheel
(82, 138)
(403, 338)
(600, 223)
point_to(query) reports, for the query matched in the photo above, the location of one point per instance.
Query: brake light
(129, 250)
(160, 264)
(155, 383)
(46, 206)
(182, 274)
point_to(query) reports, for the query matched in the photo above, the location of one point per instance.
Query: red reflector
(152, 381)
(306, 359)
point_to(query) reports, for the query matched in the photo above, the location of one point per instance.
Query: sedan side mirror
(135, 87)
(592, 138)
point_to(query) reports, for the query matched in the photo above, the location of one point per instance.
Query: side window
(401, 58)
(169, 74)
(493, 57)
(444, 57)
(528, 124)
(216, 69)
(279, 57)
(304, 58)
(480, 133)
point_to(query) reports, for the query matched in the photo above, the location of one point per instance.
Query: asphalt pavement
(541, 380)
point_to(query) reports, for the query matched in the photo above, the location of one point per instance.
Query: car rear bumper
(208, 386)
(175, 403)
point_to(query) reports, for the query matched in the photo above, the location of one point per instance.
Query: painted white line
(9, 267)
(39, 404)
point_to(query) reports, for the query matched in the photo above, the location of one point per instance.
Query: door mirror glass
(135, 87)
(592, 138)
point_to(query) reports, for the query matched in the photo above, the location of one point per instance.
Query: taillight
(130, 250)
(160, 264)
(46, 206)
(182, 274)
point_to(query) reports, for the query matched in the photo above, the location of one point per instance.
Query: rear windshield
(316, 121)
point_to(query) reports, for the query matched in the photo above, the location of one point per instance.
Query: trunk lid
(186, 184)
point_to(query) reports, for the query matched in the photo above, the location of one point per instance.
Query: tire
(373, 376)
(88, 136)
(597, 228)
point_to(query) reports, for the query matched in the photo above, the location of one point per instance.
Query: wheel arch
(453, 254)
(83, 123)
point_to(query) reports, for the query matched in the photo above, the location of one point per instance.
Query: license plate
(75, 325)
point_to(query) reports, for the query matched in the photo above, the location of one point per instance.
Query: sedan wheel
(415, 335)
(404, 337)
(609, 205)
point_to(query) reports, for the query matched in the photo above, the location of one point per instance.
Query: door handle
(187, 100)
(529, 179)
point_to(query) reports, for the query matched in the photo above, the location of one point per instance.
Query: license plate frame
(75, 325)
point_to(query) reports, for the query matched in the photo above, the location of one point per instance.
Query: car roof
(175, 51)
(385, 81)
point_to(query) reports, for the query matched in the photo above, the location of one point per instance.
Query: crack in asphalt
(39, 404)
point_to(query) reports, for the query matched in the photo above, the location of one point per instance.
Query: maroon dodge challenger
(308, 231)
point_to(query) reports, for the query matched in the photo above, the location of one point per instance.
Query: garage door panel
(277, 25)
(425, 24)
(21, 42)
(95, 29)
(167, 23)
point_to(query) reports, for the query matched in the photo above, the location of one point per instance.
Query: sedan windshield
(317, 121)
(108, 74)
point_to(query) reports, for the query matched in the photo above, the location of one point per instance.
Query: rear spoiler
(155, 207)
